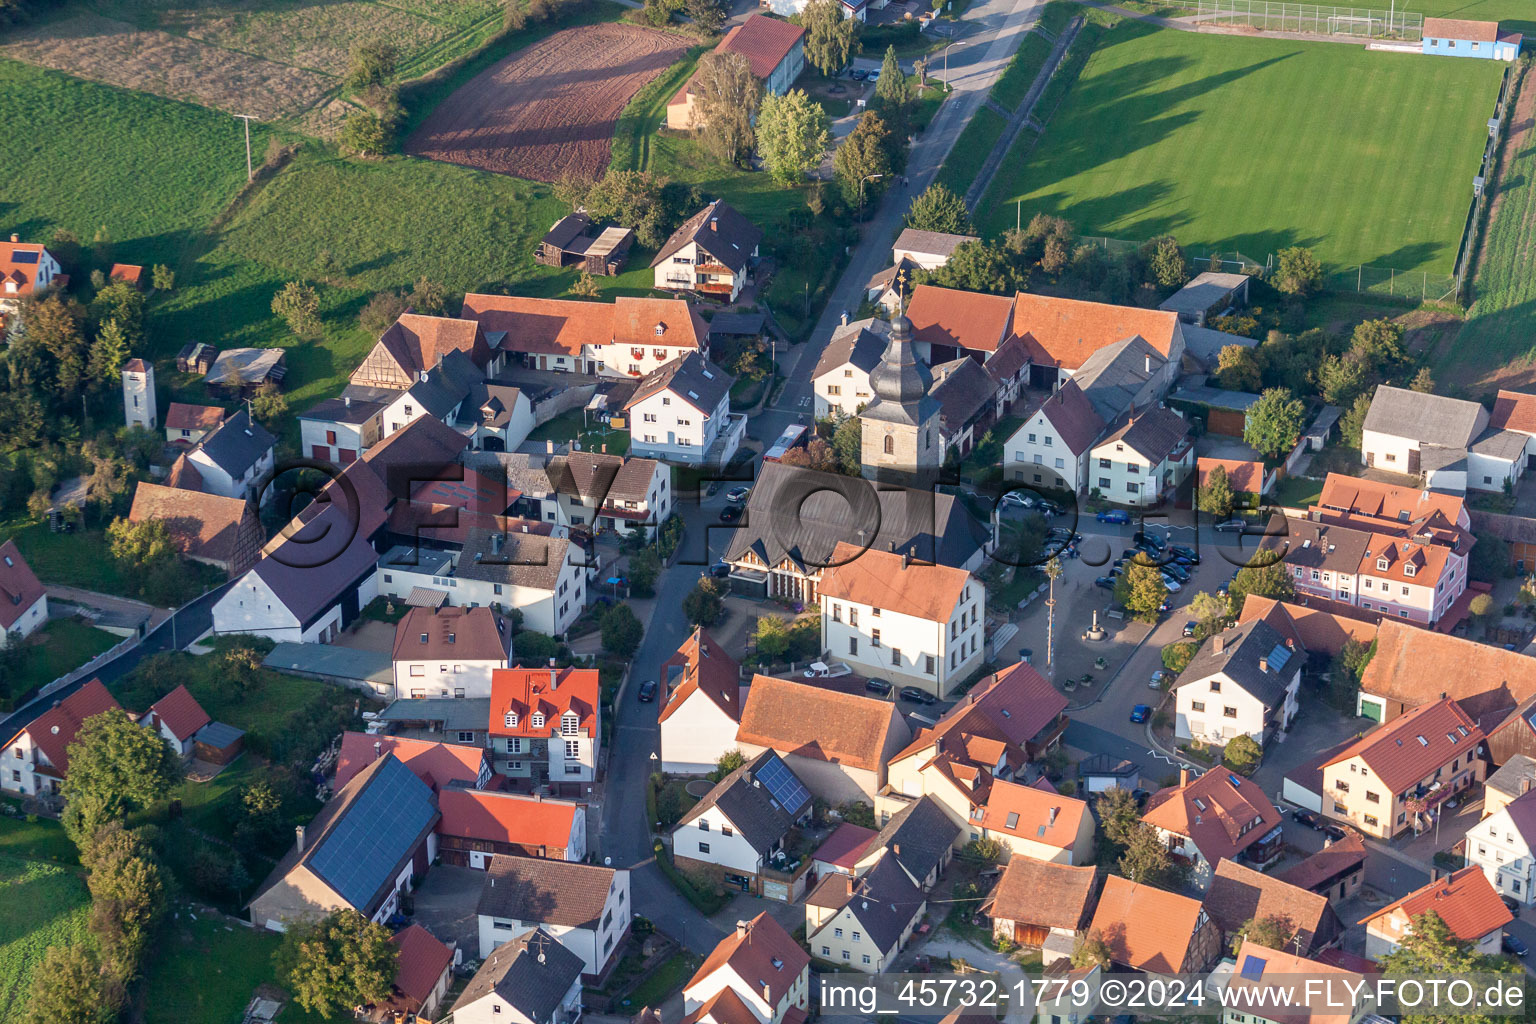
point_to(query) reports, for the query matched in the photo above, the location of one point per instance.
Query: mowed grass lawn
(1255, 144)
(41, 905)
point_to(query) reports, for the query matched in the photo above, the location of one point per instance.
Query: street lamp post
(946, 64)
(1052, 571)
(867, 177)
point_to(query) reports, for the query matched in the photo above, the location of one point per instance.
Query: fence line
(1314, 19)
(1482, 187)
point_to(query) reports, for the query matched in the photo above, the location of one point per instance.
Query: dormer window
(661, 329)
(511, 719)
(568, 723)
(1381, 564)
(1409, 569)
(538, 719)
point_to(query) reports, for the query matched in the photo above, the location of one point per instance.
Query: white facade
(139, 408)
(615, 360)
(842, 389)
(1037, 455)
(440, 678)
(20, 769)
(492, 1009)
(251, 607)
(593, 945)
(339, 443)
(544, 610)
(694, 735)
(840, 937)
(906, 649)
(690, 268)
(1496, 845)
(670, 426)
(1122, 475)
(1216, 709)
(520, 423)
(616, 513)
(712, 838)
(217, 481)
(750, 991)
(28, 621)
(47, 269)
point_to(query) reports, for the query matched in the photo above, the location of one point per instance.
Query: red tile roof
(182, 416)
(542, 326)
(180, 712)
(436, 764)
(847, 843)
(418, 342)
(1514, 410)
(54, 730)
(635, 321)
(764, 41)
(1072, 416)
(1458, 28)
(183, 475)
(22, 275)
(1399, 505)
(707, 668)
(202, 525)
(949, 316)
(1222, 813)
(752, 951)
(126, 272)
(1316, 630)
(1414, 745)
(19, 586)
(816, 723)
(1042, 892)
(1029, 813)
(890, 581)
(1065, 332)
(420, 963)
(1465, 900)
(1328, 863)
(1146, 928)
(468, 634)
(506, 818)
(1417, 666)
(724, 1007)
(547, 691)
(1244, 476)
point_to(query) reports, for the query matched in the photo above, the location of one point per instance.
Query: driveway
(445, 906)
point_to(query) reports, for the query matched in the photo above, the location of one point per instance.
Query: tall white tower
(139, 394)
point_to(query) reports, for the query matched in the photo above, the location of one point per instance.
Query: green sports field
(1232, 143)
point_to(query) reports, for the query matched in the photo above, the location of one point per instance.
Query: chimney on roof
(1217, 643)
(1525, 785)
(378, 749)
(896, 849)
(1183, 776)
(906, 559)
(298, 837)
(767, 994)
(1054, 812)
(1148, 358)
(423, 376)
(845, 318)
(346, 401)
(743, 929)
(1264, 664)
(15, 237)
(496, 543)
(714, 223)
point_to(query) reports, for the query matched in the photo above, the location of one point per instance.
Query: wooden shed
(196, 357)
(218, 743)
(571, 242)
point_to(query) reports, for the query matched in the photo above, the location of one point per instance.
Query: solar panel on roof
(1279, 656)
(781, 782)
(374, 834)
(23, 256)
(1253, 967)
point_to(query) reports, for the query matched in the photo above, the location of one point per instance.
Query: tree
(634, 198)
(381, 311)
(298, 306)
(1423, 381)
(140, 546)
(1119, 815)
(343, 960)
(644, 567)
(123, 303)
(1178, 655)
(1146, 860)
(936, 208)
(108, 354)
(162, 278)
(1270, 932)
(1237, 369)
(848, 443)
(621, 631)
(864, 154)
(1266, 580)
(429, 297)
(1141, 590)
(1298, 272)
(269, 406)
(585, 285)
(53, 326)
(1274, 422)
(727, 763)
(707, 14)
(1378, 346)
(372, 62)
(218, 871)
(1349, 665)
(1430, 948)
(366, 133)
(1211, 614)
(817, 455)
(893, 87)
(127, 901)
(1481, 605)
(1090, 950)
(1490, 560)
(1243, 753)
(70, 987)
(1166, 262)
(1339, 379)
(976, 266)
(705, 603)
(772, 637)
(793, 134)
(727, 94)
(114, 757)
(1216, 497)
(1352, 423)
(830, 38)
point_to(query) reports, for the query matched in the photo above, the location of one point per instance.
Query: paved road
(176, 632)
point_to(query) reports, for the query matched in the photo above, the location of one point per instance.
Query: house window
(1372, 797)
(1370, 819)
(874, 638)
(853, 645)
(538, 720)
(853, 616)
(726, 830)
(847, 955)
(703, 825)
(837, 613)
(1215, 685)
(1197, 705)
(866, 955)
(928, 665)
(855, 936)
(837, 933)
(703, 847)
(1031, 438)
(895, 655)
(511, 719)
(466, 737)
(826, 951)
(890, 444)
(572, 749)
(1229, 712)
(568, 724)
(1103, 463)
(1103, 482)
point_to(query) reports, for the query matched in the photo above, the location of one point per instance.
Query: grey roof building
(1117, 377)
(930, 243)
(695, 379)
(515, 559)
(443, 389)
(1253, 655)
(719, 230)
(966, 394)
(1426, 418)
(860, 343)
(753, 808)
(920, 838)
(552, 892)
(534, 975)
(237, 444)
(883, 901)
(1153, 434)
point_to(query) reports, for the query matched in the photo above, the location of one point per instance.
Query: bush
(1177, 656)
(983, 851)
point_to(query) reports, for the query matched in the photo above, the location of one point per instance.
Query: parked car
(1177, 571)
(1185, 552)
(1150, 539)
(647, 691)
(1511, 944)
(1160, 677)
(1221, 591)
(1117, 515)
(1512, 903)
(737, 495)
(720, 570)
(1189, 628)
(1050, 508)
(917, 696)
(1141, 712)
(858, 74)
(821, 670)
(1172, 584)
(1130, 553)
(873, 76)
(1334, 832)
(879, 686)
(1165, 606)
(1013, 499)
(1231, 526)
(1107, 582)
(1308, 818)
(731, 513)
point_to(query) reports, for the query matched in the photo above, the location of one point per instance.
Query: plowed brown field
(550, 108)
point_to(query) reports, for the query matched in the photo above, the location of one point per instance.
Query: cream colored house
(1465, 901)
(532, 980)
(863, 922)
(702, 691)
(1145, 456)
(1050, 449)
(1501, 844)
(758, 968)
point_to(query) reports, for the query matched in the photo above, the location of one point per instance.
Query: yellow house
(863, 922)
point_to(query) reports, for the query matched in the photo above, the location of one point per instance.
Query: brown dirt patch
(117, 53)
(551, 108)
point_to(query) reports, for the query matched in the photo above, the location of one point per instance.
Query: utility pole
(1052, 571)
(250, 175)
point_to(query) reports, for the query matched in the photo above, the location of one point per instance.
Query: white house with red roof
(912, 623)
(1050, 449)
(177, 717)
(449, 651)
(37, 757)
(423, 968)
(439, 765)
(478, 824)
(23, 601)
(774, 49)
(1466, 902)
(1217, 816)
(701, 685)
(26, 269)
(188, 424)
(545, 727)
(626, 338)
(758, 968)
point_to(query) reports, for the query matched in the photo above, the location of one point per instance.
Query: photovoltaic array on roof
(1253, 967)
(1279, 656)
(23, 256)
(356, 858)
(781, 782)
